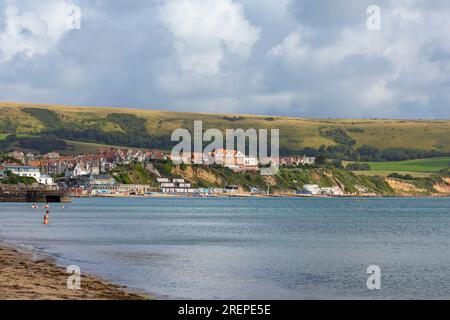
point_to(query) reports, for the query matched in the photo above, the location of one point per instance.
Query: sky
(302, 58)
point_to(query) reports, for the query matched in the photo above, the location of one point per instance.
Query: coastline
(249, 195)
(23, 277)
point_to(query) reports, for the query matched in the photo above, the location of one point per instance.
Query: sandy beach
(24, 278)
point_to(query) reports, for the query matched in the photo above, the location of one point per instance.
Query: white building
(250, 161)
(82, 169)
(23, 171)
(334, 191)
(312, 188)
(308, 160)
(326, 191)
(30, 172)
(176, 186)
(46, 179)
(181, 158)
(337, 191)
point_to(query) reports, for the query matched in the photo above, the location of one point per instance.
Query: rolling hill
(148, 128)
(421, 165)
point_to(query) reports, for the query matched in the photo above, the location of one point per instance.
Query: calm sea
(248, 248)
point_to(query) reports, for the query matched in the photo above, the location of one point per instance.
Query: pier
(41, 194)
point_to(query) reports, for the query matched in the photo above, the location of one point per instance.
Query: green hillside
(288, 179)
(420, 165)
(340, 138)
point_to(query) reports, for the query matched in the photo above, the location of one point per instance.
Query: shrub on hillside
(11, 178)
(401, 176)
(357, 166)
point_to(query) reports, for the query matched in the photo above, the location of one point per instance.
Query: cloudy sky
(277, 57)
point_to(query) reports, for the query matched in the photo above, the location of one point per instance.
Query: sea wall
(37, 196)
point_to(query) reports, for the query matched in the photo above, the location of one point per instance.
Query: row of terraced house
(102, 161)
(106, 159)
(237, 160)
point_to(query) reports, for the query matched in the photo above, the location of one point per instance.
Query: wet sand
(24, 278)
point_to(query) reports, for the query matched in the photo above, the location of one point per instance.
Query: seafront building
(106, 159)
(232, 159)
(117, 189)
(88, 173)
(176, 186)
(314, 189)
(30, 172)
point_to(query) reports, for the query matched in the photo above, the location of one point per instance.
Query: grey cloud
(331, 14)
(124, 55)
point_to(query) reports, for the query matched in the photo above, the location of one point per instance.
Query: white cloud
(290, 57)
(205, 31)
(32, 28)
(407, 37)
(292, 48)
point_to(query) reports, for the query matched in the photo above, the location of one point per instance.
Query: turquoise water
(248, 248)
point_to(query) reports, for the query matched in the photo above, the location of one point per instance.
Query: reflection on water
(248, 248)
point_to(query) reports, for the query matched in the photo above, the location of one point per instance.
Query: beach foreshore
(23, 277)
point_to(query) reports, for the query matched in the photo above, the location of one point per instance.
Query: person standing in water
(46, 217)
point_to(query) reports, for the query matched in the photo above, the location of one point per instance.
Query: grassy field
(295, 133)
(74, 147)
(388, 172)
(22, 135)
(77, 147)
(420, 165)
